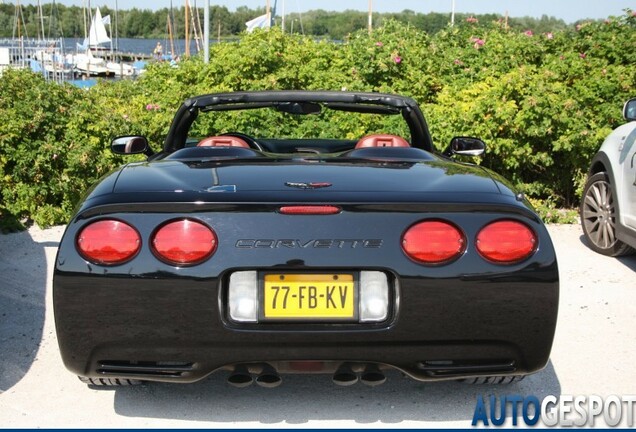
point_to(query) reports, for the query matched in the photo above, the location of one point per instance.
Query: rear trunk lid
(313, 176)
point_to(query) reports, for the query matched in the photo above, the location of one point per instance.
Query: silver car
(608, 205)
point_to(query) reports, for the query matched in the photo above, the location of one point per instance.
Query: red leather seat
(223, 141)
(382, 140)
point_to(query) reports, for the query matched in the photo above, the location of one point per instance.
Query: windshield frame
(367, 102)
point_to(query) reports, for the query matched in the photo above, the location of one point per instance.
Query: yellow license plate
(309, 296)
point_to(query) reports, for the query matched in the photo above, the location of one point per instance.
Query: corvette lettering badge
(313, 185)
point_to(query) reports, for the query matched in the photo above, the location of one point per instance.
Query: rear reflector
(184, 242)
(433, 242)
(309, 210)
(243, 296)
(374, 296)
(506, 242)
(108, 242)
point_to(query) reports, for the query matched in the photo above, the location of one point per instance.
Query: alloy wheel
(599, 214)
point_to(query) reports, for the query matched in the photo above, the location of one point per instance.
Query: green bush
(33, 146)
(542, 102)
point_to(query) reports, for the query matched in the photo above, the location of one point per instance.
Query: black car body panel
(150, 320)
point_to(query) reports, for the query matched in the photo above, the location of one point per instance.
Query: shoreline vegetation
(68, 21)
(543, 103)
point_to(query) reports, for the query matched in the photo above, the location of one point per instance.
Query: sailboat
(86, 63)
(120, 68)
(51, 58)
(95, 61)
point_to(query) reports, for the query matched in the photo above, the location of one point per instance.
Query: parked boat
(94, 57)
(43, 56)
(89, 65)
(85, 62)
(121, 69)
(98, 60)
(53, 63)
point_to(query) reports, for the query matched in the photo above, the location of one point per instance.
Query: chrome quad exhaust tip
(268, 377)
(345, 376)
(240, 377)
(372, 376)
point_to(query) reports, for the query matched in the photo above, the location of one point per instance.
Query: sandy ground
(593, 353)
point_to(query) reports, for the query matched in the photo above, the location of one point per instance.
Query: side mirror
(129, 145)
(629, 110)
(465, 146)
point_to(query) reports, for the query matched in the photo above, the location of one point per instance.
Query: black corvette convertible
(343, 245)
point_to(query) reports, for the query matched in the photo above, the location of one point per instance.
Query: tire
(494, 379)
(109, 382)
(598, 217)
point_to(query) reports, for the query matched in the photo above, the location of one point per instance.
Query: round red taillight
(433, 242)
(506, 242)
(108, 242)
(184, 242)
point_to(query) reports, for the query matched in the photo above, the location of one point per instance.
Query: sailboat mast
(172, 29)
(171, 37)
(16, 20)
(88, 45)
(89, 15)
(206, 31)
(19, 23)
(187, 31)
(116, 24)
(370, 24)
(41, 18)
(196, 23)
(84, 16)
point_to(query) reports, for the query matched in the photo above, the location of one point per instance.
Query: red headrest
(223, 141)
(382, 140)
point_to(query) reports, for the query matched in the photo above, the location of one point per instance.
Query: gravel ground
(593, 353)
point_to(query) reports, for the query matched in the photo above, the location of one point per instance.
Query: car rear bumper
(156, 327)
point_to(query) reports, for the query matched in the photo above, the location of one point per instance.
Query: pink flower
(472, 20)
(458, 62)
(397, 59)
(582, 55)
(528, 33)
(478, 43)
(152, 107)
(578, 27)
(379, 44)
(634, 13)
(549, 35)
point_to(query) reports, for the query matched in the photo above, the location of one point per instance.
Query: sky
(568, 10)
